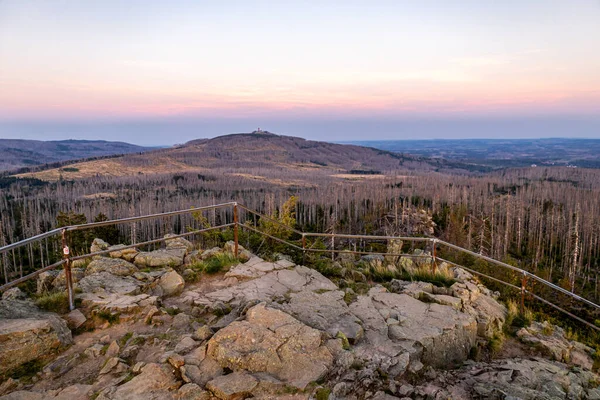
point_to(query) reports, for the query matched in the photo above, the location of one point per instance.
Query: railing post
(68, 275)
(433, 260)
(333, 246)
(303, 249)
(235, 228)
(523, 284)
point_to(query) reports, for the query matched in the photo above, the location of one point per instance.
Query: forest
(545, 220)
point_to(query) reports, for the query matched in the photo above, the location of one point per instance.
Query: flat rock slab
(272, 341)
(446, 334)
(325, 311)
(257, 267)
(117, 303)
(273, 285)
(106, 282)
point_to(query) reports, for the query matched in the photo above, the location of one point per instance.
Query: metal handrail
(144, 217)
(67, 259)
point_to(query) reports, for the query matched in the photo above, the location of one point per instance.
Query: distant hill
(266, 153)
(19, 153)
(500, 153)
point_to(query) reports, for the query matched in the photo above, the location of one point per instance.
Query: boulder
(394, 246)
(185, 345)
(178, 243)
(206, 254)
(550, 340)
(114, 266)
(171, 283)
(45, 280)
(346, 257)
(191, 391)
(60, 282)
(192, 257)
(413, 289)
(14, 294)
(27, 334)
(200, 372)
(75, 319)
(233, 386)
(161, 258)
(489, 313)
(98, 245)
(407, 264)
(127, 254)
(272, 341)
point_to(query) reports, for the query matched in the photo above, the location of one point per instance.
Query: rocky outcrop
(526, 379)
(272, 341)
(446, 334)
(28, 334)
(550, 340)
(273, 329)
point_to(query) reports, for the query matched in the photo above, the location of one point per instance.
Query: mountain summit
(250, 152)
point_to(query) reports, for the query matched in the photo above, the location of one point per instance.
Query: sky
(164, 72)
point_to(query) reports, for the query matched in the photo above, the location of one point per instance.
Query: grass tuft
(216, 264)
(108, 316)
(515, 318)
(380, 273)
(57, 302)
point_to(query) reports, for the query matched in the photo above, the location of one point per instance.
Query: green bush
(57, 302)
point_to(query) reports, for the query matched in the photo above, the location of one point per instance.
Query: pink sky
(103, 60)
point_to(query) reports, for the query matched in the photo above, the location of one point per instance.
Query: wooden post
(523, 284)
(235, 229)
(68, 275)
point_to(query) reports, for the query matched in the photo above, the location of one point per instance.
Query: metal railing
(301, 244)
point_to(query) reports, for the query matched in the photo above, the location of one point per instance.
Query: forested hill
(246, 151)
(19, 153)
